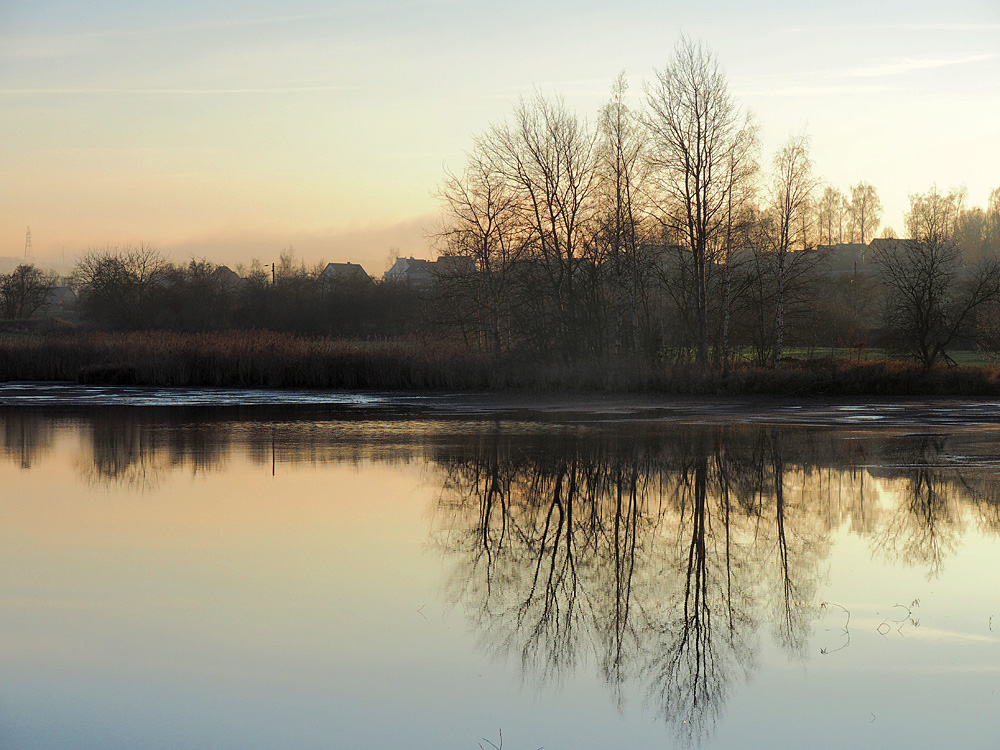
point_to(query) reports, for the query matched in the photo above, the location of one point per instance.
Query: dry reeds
(262, 359)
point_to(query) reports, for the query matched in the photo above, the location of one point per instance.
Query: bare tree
(791, 188)
(116, 285)
(865, 212)
(623, 172)
(993, 215)
(481, 221)
(929, 303)
(24, 290)
(694, 126)
(830, 216)
(548, 156)
(742, 171)
(933, 216)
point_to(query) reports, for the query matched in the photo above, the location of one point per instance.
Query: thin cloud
(947, 26)
(819, 91)
(175, 91)
(56, 45)
(799, 30)
(909, 65)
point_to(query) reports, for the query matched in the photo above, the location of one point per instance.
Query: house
(846, 257)
(421, 273)
(345, 273)
(227, 279)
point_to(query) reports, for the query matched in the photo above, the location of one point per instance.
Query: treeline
(659, 233)
(655, 238)
(136, 288)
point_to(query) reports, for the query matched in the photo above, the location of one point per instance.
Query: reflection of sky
(929, 686)
(232, 609)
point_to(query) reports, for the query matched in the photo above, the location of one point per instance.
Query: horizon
(234, 134)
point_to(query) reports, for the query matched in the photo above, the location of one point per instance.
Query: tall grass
(272, 360)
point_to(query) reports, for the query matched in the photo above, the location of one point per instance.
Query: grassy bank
(270, 360)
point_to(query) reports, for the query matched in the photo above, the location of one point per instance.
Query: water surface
(412, 576)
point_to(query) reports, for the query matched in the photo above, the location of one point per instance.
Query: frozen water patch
(71, 394)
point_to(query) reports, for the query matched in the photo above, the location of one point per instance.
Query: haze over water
(251, 577)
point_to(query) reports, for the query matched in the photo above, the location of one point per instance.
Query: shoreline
(570, 408)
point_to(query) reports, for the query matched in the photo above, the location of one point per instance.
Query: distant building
(422, 273)
(345, 273)
(227, 278)
(884, 243)
(846, 257)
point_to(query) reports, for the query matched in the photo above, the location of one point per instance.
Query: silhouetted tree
(694, 126)
(118, 286)
(929, 303)
(865, 211)
(24, 291)
(548, 157)
(792, 185)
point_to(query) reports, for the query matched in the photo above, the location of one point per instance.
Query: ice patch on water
(71, 394)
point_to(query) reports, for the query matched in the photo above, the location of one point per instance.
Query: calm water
(267, 578)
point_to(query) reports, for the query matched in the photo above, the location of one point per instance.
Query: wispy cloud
(173, 91)
(947, 26)
(799, 30)
(819, 91)
(77, 42)
(908, 65)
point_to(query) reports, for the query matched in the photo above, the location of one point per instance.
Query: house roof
(345, 272)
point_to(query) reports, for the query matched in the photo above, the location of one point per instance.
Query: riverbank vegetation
(276, 360)
(656, 250)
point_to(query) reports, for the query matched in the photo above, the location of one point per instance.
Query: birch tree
(694, 124)
(791, 188)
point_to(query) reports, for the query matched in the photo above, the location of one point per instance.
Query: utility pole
(272, 275)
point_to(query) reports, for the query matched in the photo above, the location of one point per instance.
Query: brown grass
(270, 360)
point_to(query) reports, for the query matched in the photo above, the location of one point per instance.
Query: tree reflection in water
(662, 556)
(656, 553)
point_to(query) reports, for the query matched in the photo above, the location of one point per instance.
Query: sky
(235, 129)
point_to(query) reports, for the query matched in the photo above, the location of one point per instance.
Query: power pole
(28, 253)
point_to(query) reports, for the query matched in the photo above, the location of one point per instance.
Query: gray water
(375, 571)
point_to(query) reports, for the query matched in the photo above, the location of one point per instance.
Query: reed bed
(262, 359)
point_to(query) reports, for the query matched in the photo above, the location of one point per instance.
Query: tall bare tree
(933, 216)
(742, 171)
(548, 156)
(481, 222)
(623, 172)
(830, 216)
(792, 185)
(865, 211)
(694, 125)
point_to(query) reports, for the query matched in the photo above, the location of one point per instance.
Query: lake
(381, 571)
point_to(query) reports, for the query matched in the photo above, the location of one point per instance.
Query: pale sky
(230, 129)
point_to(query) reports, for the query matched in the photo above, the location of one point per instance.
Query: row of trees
(659, 230)
(136, 288)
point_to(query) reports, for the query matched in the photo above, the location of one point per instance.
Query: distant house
(846, 257)
(884, 243)
(421, 273)
(345, 273)
(226, 278)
